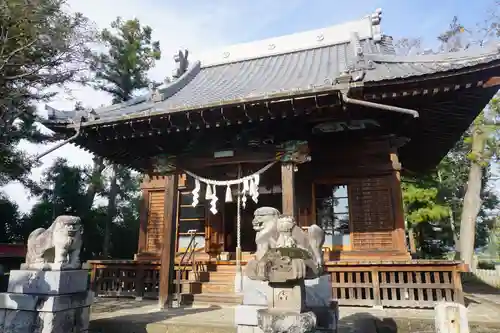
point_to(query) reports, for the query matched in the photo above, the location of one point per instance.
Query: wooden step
(199, 276)
(218, 299)
(221, 268)
(221, 277)
(217, 287)
(189, 287)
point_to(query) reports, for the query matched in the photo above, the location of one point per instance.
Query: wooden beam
(397, 206)
(168, 245)
(240, 156)
(288, 205)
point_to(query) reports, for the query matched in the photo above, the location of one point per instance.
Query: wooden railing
(411, 284)
(125, 278)
(188, 257)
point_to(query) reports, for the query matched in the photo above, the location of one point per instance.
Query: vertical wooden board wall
(154, 231)
(152, 214)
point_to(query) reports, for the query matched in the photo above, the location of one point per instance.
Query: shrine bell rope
(250, 187)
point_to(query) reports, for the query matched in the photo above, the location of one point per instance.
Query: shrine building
(318, 124)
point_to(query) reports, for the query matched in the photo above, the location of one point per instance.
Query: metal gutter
(59, 145)
(386, 107)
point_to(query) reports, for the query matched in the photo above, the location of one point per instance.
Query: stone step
(218, 299)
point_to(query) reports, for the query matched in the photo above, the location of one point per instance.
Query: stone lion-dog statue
(59, 244)
(267, 237)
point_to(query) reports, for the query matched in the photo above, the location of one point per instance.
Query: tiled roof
(367, 56)
(389, 67)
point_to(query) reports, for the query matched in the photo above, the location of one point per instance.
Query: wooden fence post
(139, 282)
(93, 279)
(457, 286)
(377, 301)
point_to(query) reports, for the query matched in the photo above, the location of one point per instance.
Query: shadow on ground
(151, 322)
(366, 322)
(159, 322)
(473, 285)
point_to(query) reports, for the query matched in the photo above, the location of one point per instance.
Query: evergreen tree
(9, 220)
(121, 71)
(42, 46)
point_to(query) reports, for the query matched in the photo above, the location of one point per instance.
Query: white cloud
(176, 26)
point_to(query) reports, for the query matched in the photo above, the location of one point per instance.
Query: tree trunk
(456, 238)
(472, 198)
(111, 211)
(97, 170)
(411, 239)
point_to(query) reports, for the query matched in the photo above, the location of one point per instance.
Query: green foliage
(121, 70)
(41, 46)
(421, 203)
(62, 190)
(131, 54)
(10, 217)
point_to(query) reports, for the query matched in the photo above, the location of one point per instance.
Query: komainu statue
(277, 234)
(59, 244)
(286, 257)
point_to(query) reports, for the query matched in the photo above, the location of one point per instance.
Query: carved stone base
(45, 314)
(48, 282)
(318, 292)
(246, 318)
(282, 322)
(46, 302)
(318, 300)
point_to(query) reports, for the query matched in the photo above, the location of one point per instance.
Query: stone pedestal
(318, 300)
(46, 301)
(451, 318)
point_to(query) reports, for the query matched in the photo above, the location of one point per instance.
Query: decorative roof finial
(376, 16)
(182, 62)
(154, 94)
(375, 19)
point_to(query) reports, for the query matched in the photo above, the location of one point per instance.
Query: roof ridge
(465, 54)
(271, 55)
(367, 27)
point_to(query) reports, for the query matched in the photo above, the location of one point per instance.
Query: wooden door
(214, 233)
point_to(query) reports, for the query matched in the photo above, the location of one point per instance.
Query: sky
(199, 25)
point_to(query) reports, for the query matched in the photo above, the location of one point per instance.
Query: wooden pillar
(143, 219)
(398, 209)
(167, 255)
(288, 205)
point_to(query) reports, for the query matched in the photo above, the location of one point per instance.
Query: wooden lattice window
(372, 221)
(190, 218)
(332, 213)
